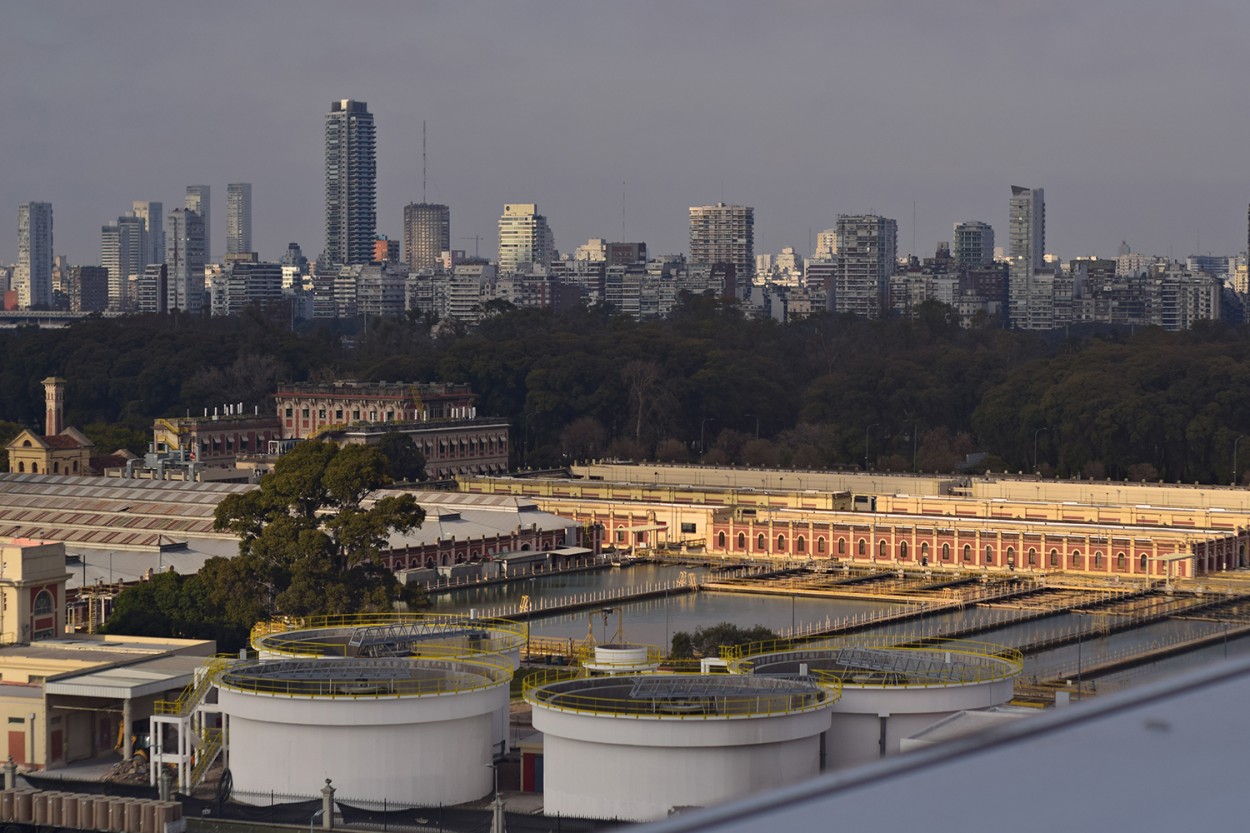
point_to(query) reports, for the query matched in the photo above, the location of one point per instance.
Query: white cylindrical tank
(450, 636)
(410, 731)
(621, 658)
(893, 688)
(634, 748)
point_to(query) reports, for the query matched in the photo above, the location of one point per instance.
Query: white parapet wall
(616, 750)
(410, 731)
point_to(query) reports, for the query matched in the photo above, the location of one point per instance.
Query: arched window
(881, 549)
(967, 552)
(800, 544)
(902, 550)
(820, 545)
(924, 550)
(841, 546)
(989, 554)
(1054, 557)
(720, 539)
(863, 547)
(43, 604)
(1142, 560)
(21, 467)
(1121, 561)
(75, 467)
(781, 543)
(1032, 556)
(759, 542)
(1097, 559)
(1011, 556)
(56, 467)
(946, 552)
(34, 468)
(742, 540)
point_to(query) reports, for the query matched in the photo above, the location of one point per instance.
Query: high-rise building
(238, 218)
(973, 244)
(1027, 248)
(152, 293)
(351, 177)
(87, 288)
(199, 200)
(184, 255)
(124, 253)
(524, 237)
(33, 279)
(866, 258)
(724, 234)
(427, 234)
(152, 214)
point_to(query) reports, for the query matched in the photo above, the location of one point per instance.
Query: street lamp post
(757, 424)
(1236, 443)
(915, 430)
(1035, 435)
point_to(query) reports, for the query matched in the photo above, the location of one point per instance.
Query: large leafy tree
(310, 540)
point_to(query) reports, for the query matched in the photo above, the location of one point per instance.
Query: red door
(17, 746)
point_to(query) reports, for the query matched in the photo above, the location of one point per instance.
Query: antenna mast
(423, 160)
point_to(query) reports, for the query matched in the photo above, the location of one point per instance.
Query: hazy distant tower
(238, 218)
(427, 234)
(524, 237)
(153, 216)
(199, 200)
(33, 279)
(973, 244)
(185, 258)
(724, 234)
(351, 183)
(1027, 248)
(866, 258)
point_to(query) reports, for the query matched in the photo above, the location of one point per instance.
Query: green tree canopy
(404, 460)
(707, 642)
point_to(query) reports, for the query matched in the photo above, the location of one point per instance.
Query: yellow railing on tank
(505, 634)
(977, 662)
(539, 689)
(462, 676)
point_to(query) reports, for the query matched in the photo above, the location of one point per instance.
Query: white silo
(635, 747)
(402, 730)
(893, 687)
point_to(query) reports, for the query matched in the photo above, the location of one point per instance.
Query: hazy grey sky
(1130, 113)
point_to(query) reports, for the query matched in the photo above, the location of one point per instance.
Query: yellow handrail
(194, 693)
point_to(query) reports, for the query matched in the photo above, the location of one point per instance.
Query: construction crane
(477, 238)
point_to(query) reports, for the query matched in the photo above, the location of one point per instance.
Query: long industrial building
(1099, 530)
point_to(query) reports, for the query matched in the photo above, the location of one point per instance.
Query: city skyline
(942, 115)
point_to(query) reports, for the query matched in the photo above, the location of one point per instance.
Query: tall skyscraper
(199, 200)
(124, 249)
(184, 257)
(33, 279)
(524, 237)
(153, 215)
(973, 244)
(724, 234)
(427, 234)
(866, 258)
(238, 218)
(1027, 248)
(351, 183)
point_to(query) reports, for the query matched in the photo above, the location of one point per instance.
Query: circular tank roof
(677, 696)
(388, 635)
(887, 661)
(362, 677)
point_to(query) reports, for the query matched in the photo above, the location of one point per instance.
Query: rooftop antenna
(913, 227)
(423, 160)
(623, 237)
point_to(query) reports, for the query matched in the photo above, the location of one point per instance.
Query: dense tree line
(706, 384)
